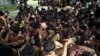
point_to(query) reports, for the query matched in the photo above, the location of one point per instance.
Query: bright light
(32, 3)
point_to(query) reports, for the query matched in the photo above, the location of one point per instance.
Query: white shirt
(98, 3)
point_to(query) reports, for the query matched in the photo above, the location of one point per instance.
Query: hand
(70, 41)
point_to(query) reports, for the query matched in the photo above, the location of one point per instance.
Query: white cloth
(88, 4)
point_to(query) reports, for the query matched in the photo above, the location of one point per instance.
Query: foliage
(8, 7)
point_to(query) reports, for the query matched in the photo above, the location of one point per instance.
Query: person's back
(77, 50)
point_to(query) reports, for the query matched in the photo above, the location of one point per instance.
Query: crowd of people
(50, 32)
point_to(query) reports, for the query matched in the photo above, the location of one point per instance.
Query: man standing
(97, 8)
(23, 3)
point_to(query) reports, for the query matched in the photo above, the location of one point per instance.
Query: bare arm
(66, 46)
(4, 20)
(65, 49)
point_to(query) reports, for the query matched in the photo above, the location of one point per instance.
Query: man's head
(29, 51)
(33, 26)
(51, 29)
(6, 13)
(15, 28)
(49, 46)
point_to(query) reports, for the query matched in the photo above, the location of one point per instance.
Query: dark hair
(83, 27)
(0, 29)
(97, 25)
(15, 28)
(3, 34)
(97, 36)
(50, 27)
(6, 12)
(29, 50)
(49, 45)
(1, 13)
(31, 19)
(86, 54)
(79, 40)
(34, 25)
